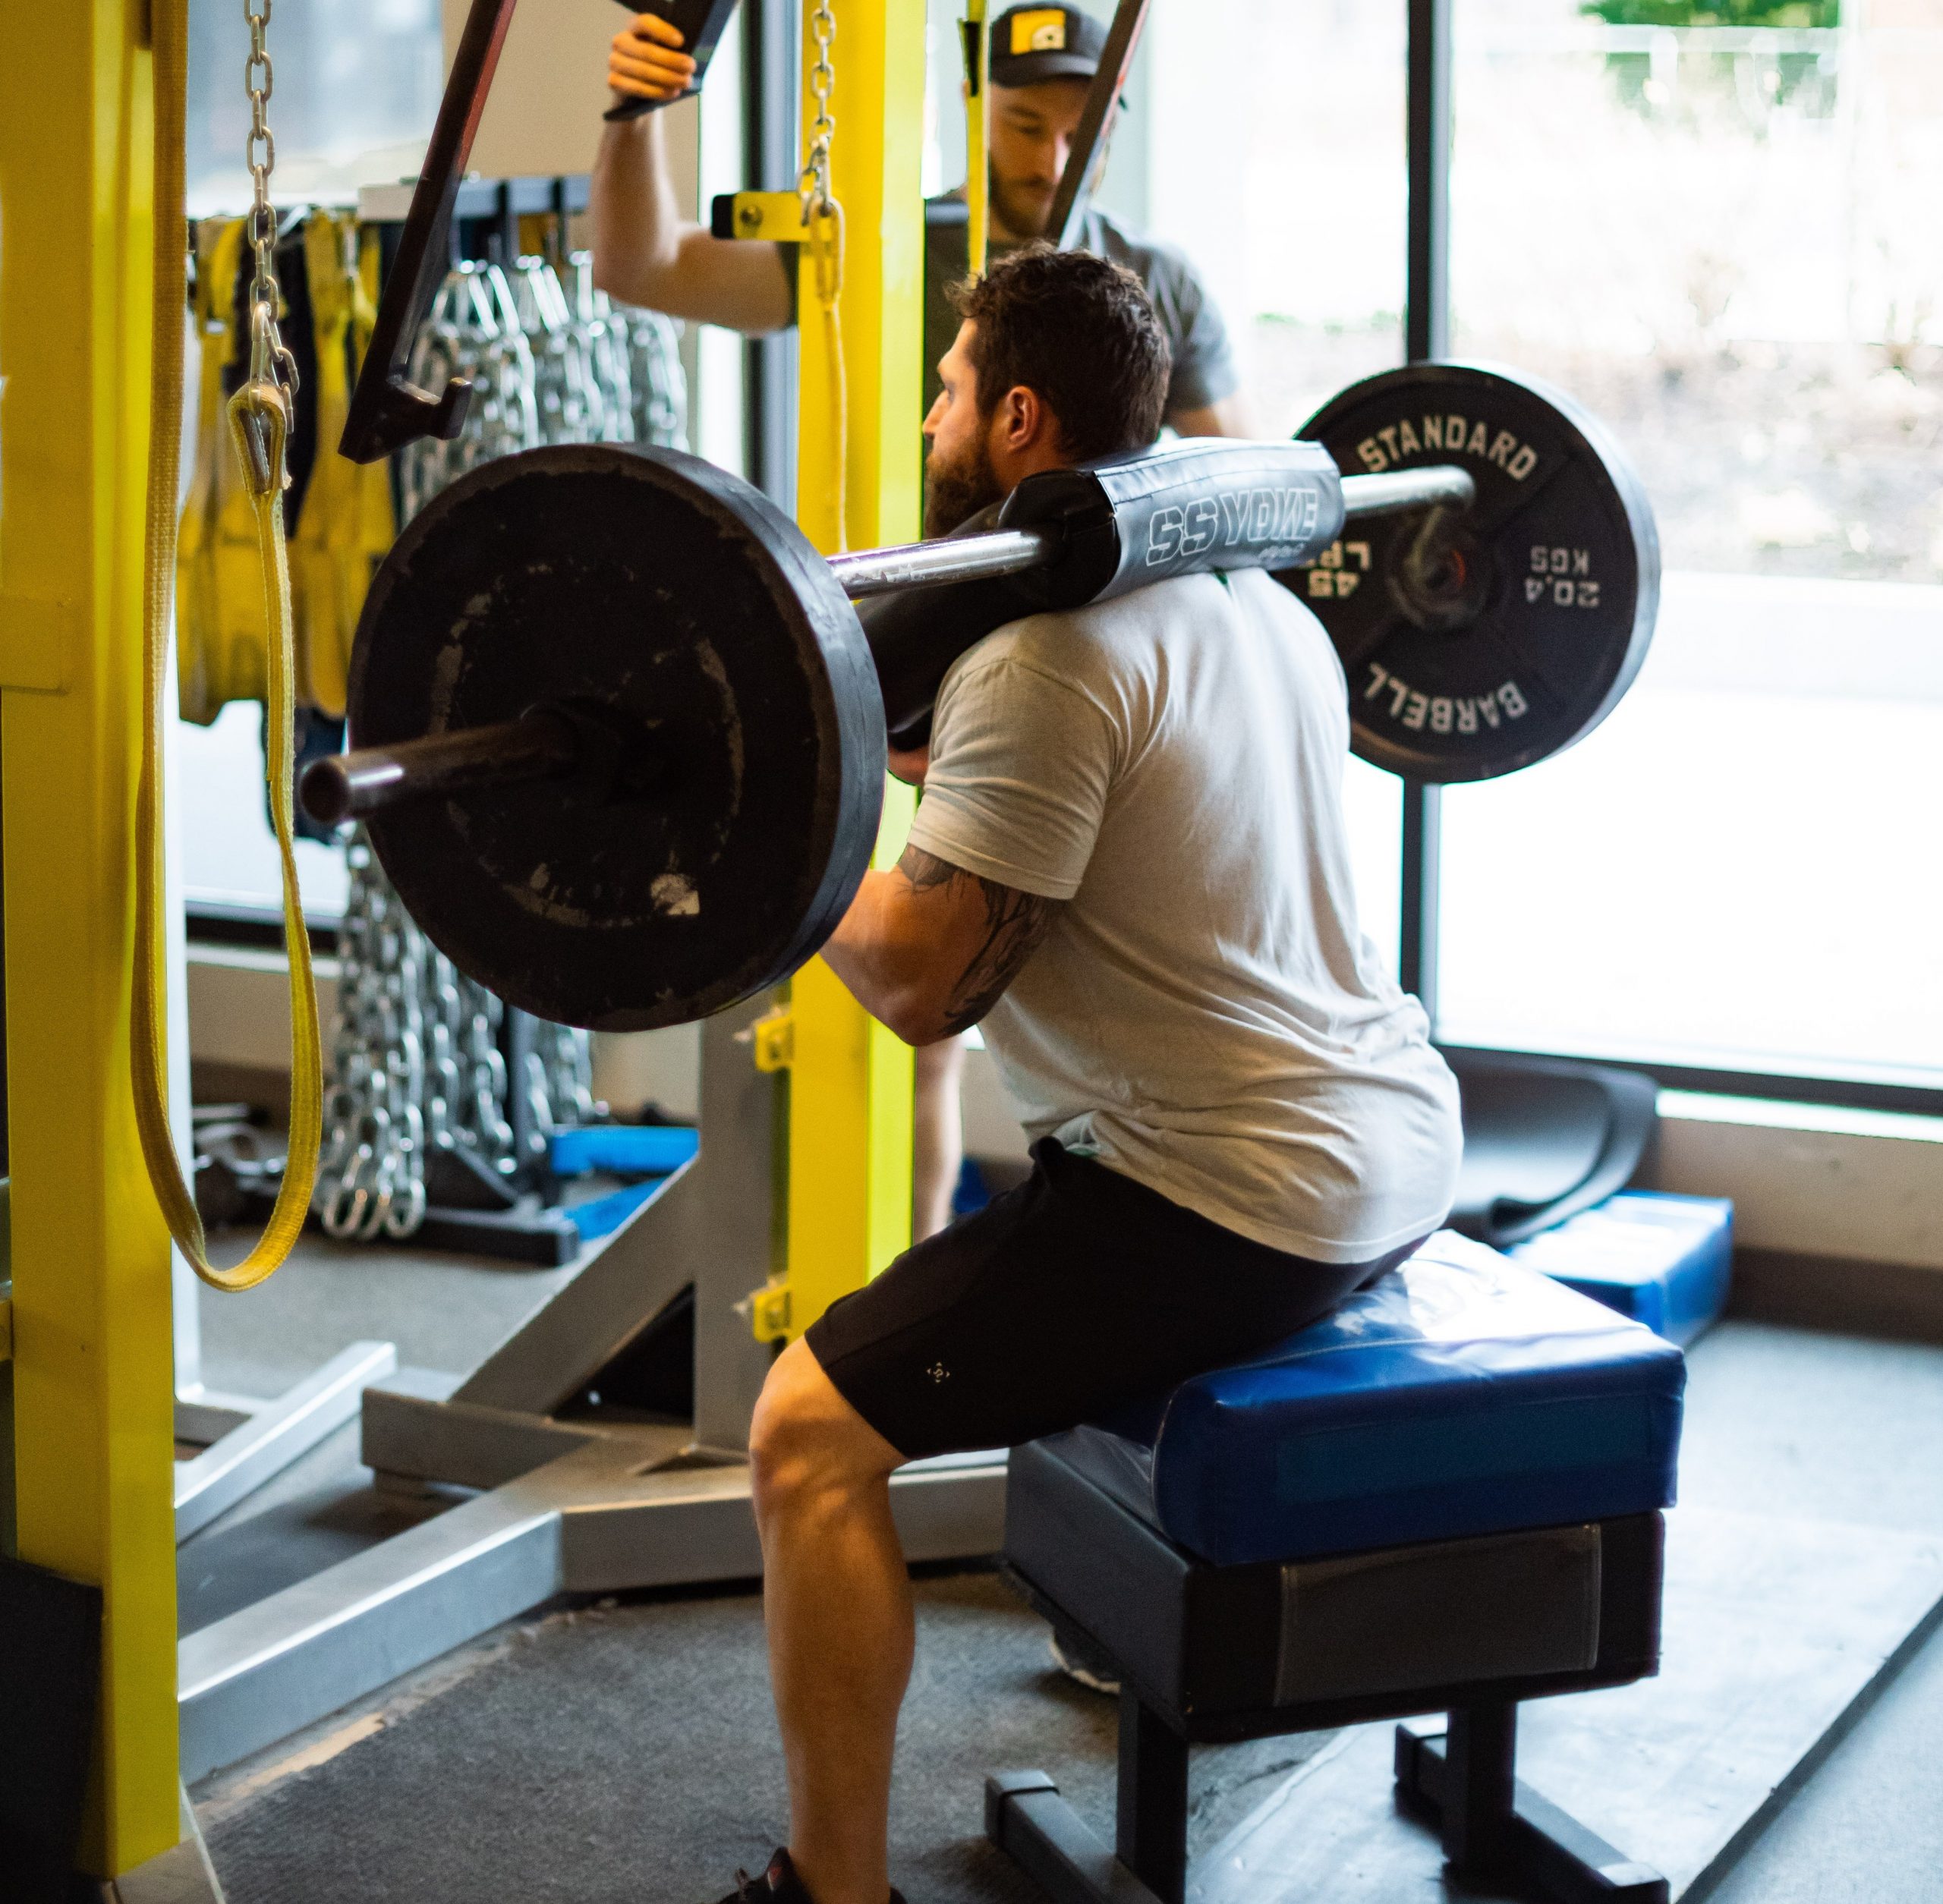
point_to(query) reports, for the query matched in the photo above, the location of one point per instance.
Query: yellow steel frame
(850, 1080)
(90, 1325)
(92, 1399)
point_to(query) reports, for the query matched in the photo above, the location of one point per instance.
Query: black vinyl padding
(1203, 1645)
(1544, 1139)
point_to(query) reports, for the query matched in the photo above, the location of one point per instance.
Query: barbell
(621, 730)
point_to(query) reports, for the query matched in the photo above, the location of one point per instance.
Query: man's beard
(954, 492)
(1023, 216)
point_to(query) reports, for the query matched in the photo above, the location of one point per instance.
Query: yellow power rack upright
(94, 1400)
(850, 1080)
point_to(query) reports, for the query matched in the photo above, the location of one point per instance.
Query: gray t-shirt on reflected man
(1204, 370)
(1205, 1014)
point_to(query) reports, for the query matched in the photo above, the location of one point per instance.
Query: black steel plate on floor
(653, 584)
(1519, 637)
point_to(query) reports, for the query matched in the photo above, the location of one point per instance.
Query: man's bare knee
(806, 1440)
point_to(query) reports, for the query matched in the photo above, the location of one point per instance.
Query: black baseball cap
(1030, 44)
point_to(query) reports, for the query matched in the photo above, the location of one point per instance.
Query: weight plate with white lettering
(1477, 642)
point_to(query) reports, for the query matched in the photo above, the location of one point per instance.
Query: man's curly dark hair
(1079, 330)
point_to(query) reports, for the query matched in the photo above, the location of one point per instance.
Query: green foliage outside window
(1716, 13)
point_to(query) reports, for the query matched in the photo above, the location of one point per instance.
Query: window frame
(1429, 132)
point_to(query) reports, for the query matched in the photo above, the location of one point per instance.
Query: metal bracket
(769, 1312)
(776, 216)
(773, 1037)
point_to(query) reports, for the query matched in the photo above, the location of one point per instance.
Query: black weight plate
(1528, 644)
(654, 584)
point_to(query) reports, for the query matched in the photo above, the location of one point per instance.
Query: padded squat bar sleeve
(1183, 508)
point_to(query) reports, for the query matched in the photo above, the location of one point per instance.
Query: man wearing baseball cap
(1043, 61)
(646, 252)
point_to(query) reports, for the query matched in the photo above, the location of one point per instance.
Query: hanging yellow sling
(345, 526)
(219, 653)
(259, 422)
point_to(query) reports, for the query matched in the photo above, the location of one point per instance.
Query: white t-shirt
(1205, 1014)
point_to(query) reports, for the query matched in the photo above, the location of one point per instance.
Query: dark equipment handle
(701, 24)
(368, 779)
(388, 411)
(1096, 123)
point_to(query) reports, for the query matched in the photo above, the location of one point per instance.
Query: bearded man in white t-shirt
(1129, 866)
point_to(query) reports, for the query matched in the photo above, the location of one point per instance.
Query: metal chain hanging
(269, 355)
(823, 221)
(417, 1067)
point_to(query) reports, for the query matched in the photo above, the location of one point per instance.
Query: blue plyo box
(1665, 1261)
(1463, 1394)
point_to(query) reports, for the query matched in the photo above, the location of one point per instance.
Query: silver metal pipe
(367, 780)
(965, 559)
(1400, 489)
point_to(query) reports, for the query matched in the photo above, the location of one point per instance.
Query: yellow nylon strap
(255, 406)
(826, 242)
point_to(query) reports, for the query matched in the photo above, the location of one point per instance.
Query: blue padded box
(623, 1150)
(1465, 1394)
(1665, 1261)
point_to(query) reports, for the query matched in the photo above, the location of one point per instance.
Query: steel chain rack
(423, 1105)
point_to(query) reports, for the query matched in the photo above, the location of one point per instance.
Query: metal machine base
(579, 1496)
(248, 1443)
(1495, 1830)
(623, 1510)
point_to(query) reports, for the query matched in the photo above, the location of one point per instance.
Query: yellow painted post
(93, 1394)
(849, 1150)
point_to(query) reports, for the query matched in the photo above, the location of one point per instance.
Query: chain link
(813, 184)
(270, 358)
(417, 1068)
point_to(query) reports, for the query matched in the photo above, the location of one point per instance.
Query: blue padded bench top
(1664, 1261)
(1465, 1394)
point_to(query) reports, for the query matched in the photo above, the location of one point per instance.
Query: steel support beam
(275, 1435)
(589, 1521)
(1426, 335)
(93, 1394)
(850, 1081)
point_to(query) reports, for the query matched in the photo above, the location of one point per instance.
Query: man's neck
(1013, 469)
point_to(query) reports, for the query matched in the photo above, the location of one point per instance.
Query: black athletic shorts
(1074, 1295)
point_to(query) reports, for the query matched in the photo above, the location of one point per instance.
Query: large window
(357, 89)
(1267, 141)
(1724, 241)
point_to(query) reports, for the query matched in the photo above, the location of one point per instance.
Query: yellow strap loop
(259, 422)
(826, 255)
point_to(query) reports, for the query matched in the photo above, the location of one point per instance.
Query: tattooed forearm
(1013, 925)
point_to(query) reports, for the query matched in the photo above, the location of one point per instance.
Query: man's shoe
(780, 1884)
(1081, 1664)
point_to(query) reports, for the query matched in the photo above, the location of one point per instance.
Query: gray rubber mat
(626, 1755)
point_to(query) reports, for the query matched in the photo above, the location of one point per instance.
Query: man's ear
(1026, 422)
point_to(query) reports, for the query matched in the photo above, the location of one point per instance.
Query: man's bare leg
(837, 1598)
(937, 1135)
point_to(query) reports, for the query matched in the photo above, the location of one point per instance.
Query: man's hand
(645, 61)
(929, 948)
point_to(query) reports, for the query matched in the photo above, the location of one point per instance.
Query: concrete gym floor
(595, 1753)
